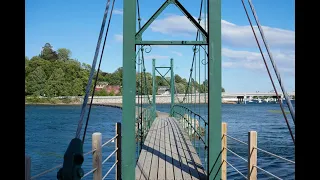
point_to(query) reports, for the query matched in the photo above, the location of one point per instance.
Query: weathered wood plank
(168, 154)
(175, 155)
(140, 171)
(169, 162)
(185, 169)
(192, 152)
(149, 153)
(162, 154)
(155, 154)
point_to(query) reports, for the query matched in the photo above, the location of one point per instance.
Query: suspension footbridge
(190, 142)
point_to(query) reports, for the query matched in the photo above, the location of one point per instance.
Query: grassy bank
(37, 100)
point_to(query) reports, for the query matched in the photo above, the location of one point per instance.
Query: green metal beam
(193, 21)
(129, 90)
(214, 74)
(154, 83)
(164, 77)
(139, 42)
(138, 35)
(164, 73)
(164, 67)
(172, 86)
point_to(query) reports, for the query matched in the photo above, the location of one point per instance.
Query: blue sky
(76, 24)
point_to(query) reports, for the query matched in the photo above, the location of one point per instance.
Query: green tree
(116, 77)
(35, 82)
(177, 79)
(223, 90)
(160, 81)
(101, 92)
(77, 87)
(180, 88)
(48, 53)
(26, 60)
(55, 86)
(64, 54)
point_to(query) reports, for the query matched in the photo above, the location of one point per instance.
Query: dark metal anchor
(72, 161)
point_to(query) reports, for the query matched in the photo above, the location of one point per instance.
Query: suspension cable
(142, 55)
(194, 57)
(292, 112)
(96, 79)
(269, 73)
(85, 100)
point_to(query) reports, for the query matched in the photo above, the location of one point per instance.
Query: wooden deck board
(155, 154)
(168, 153)
(175, 155)
(142, 156)
(185, 169)
(194, 154)
(162, 155)
(169, 163)
(145, 169)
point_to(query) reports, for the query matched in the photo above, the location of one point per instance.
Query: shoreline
(106, 104)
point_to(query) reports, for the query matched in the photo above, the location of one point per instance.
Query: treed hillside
(55, 73)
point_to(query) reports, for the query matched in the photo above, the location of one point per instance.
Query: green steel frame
(171, 83)
(131, 38)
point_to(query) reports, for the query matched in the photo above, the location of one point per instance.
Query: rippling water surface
(49, 130)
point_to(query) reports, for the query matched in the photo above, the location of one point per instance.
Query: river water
(49, 130)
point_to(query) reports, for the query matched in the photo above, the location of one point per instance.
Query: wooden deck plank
(169, 162)
(186, 146)
(185, 169)
(148, 154)
(162, 155)
(155, 154)
(168, 153)
(192, 152)
(186, 149)
(175, 154)
(142, 156)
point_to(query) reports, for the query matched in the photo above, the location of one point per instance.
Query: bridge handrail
(192, 128)
(196, 114)
(252, 145)
(267, 152)
(188, 125)
(118, 148)
(267, 172)
(147, 116)
(235, 169)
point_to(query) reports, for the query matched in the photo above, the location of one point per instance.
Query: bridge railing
(252, 155)
(144, 120)
(196, 127)
(96, 158)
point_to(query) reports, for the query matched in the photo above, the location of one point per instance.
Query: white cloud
(284, 60)
(118, 37)
(161, 46)
(156, 57)
(177, 53)
(232, 34)
(227, 64)
(173, 24)
(118, 11)
(242, 36)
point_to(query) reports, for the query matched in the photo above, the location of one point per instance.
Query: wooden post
(252, 155)
(97, 155)
(27, 168)
(118, 153)
(224, 151)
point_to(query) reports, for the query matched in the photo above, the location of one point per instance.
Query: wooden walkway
(168, 154)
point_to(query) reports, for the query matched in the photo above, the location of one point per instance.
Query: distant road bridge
(258, 94)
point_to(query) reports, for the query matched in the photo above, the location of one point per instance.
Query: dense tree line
(55, 73)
